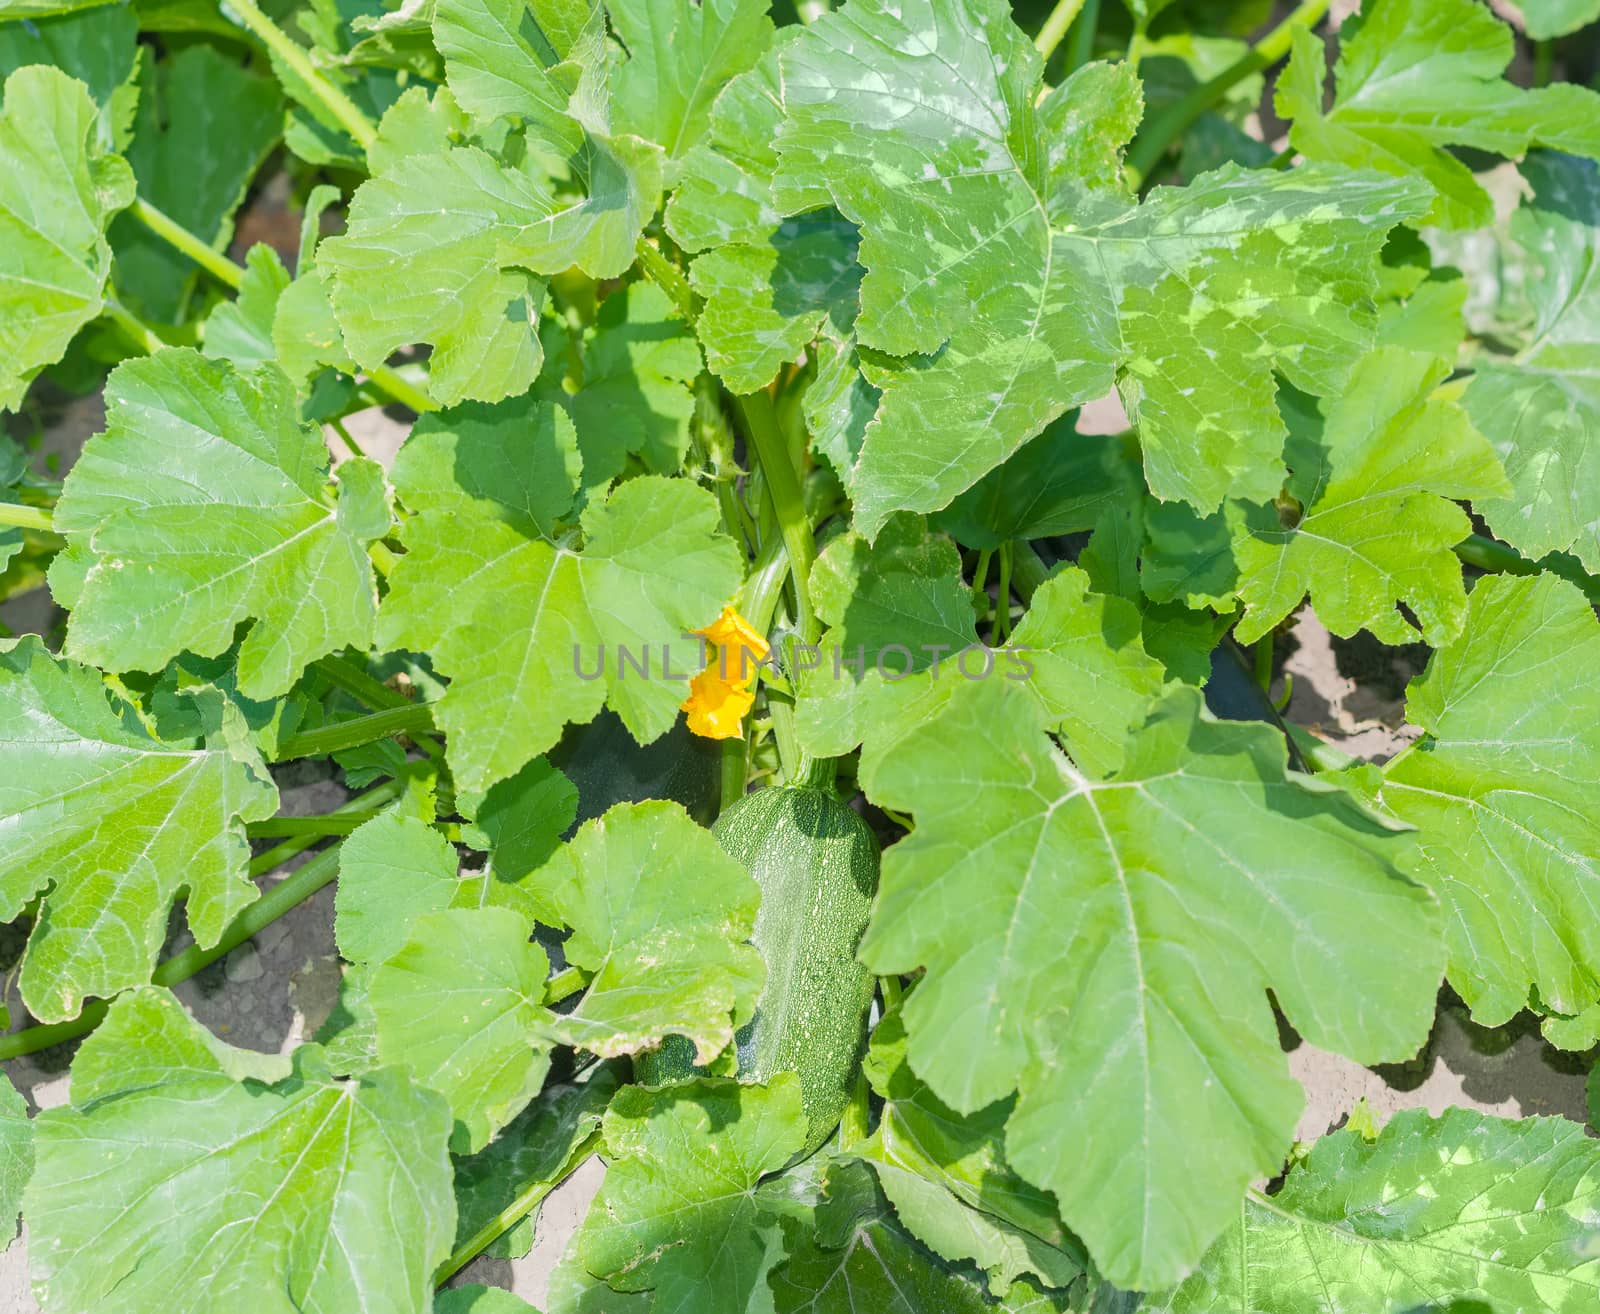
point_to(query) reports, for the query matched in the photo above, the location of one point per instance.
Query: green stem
(512, 1214)
(334, 823)
(1055, 27)
(758, 601)
(1319, 755)
(665, 275)
(565, 984)
(892, 993)
(407, 394)
(345, 110)
(383, 557)
(734, 776)
(140, 334)
(809, 11)
(1081, 49)
(386, 380)
(1028, 571)
(19, 516)
(1002, 620)
(417, 718)
(980, 581)
(1544, 63)
(1263, 658)
(175, 234)
(351, 445)
(788, 501)
(359, 685)
(1497, 558)
(1172, 122)
(856, 1123)
(346, 675)
(279, 854)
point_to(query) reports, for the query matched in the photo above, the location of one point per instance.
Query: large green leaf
(902, 639)
(636, 394)
(1104, 946)
(16, 1157)
(548, 64)
(461, 1003)
(182, 1181)
(660, 916)
(1379, 521)
(97, 46)
(206, 503)
(1502, 787)
(1541, 408)
(948, 1180)
(110, 824)
(1011, 273)
(521, 625)
(1437, 1214)
(770, 283)
(1416, 77)
(58, 191)
(539, 1148)
(421, 262)
(1546, 19)
(857, 1257)
(678, 1212)
(681, 55)
(205, 125)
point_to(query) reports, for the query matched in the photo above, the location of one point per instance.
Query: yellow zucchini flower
(721, 696)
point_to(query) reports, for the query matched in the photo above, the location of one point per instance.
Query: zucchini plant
(774, 718)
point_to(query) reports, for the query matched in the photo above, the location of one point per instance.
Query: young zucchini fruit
(816, 862)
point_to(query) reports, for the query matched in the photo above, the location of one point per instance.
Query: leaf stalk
(343, 109)
(175, 234)
(1174, 121)
(18, 516)
(1055, 27)
(511, 1215)
(415, 718)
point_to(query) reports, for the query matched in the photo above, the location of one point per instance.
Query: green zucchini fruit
(608, 766)
(816, 862)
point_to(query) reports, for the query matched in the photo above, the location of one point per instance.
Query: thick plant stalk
(140, 334)
(1081, 49)
(512, 1214)
(665, 275)
(1172, 122)
(359, 730)
(175, 234)
(1055, 27)
(18, 516)
(388, 381)
(788, 502)
(345, 110)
